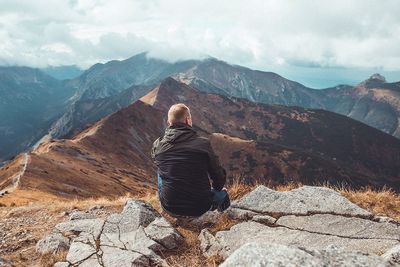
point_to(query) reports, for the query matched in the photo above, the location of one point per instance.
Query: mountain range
(255, 141)
(34, 103)
(30, 101)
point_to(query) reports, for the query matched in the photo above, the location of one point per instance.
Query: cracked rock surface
(311, 218)
(300, 201)
(265, 254)
(135, 237)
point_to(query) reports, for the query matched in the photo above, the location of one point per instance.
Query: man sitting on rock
(186, 164)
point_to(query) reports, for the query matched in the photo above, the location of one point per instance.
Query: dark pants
(220, 199)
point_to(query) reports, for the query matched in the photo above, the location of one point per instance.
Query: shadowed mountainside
(30, 101)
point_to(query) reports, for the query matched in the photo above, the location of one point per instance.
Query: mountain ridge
(106, 88)
(274, 143)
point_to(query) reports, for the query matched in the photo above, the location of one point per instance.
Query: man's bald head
(179, 113)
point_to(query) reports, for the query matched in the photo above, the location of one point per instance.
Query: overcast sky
(319, 43)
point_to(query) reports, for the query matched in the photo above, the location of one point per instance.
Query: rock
(5, 263)
(208, 243)
(385, 219)
(271, 254)
(239, 214)
(79, 215)
(264, 254)
(301, 201)
(82, 248)
(61, 264)
(64, 213)
(393, 254)
(161, 231)
(135, 213)
(225, 242)
(118, 257)
(264, 219)
(134, 237)
(53, 243)
(92, 226)
(207, 219)
(337, 256)
(342, 226)
(313, 218)
(96, 207)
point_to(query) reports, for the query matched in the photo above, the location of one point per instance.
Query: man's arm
(153, 149)
(215, 170)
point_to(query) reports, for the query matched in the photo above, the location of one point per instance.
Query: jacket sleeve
(215, 170)
(153, 149)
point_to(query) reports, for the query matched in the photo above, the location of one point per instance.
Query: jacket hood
(177, 133)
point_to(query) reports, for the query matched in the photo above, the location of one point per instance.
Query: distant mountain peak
(377, 76)
(168, 91)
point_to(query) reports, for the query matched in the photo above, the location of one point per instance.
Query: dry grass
(49, 259)
(380, 202)
(189, 254)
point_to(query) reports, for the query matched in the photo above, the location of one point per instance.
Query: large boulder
(310, 217)
(135, 237)
(225, 242)
(271, 254)
(301, 201)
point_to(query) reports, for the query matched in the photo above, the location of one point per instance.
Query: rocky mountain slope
(374, 101)
(30, 101)
(106, 88)
(138, 74)
(287, 143)
(269, 228)
(254, 141)
(103, 89)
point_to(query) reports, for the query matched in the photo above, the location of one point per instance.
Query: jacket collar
(178, 132)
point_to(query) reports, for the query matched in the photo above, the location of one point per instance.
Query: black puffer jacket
(186, 162)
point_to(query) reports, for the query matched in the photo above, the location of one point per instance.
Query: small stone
(264, 219)
(79, 215)
(393, 254)
(53, 243)
(240, 214)
(61, 264)
(161, 231)
(5, 263)
(96, 207)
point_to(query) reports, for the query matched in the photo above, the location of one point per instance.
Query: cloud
(264, 34)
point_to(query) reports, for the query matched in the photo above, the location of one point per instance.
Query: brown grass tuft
(287, 187)
(49, 259)
(380, 202)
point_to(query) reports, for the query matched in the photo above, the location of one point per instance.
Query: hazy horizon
(317, 43)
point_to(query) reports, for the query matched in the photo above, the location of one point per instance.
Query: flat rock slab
(226, 242)
(301, 201)
(277, 255)
(135, 237)
(350, 227)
